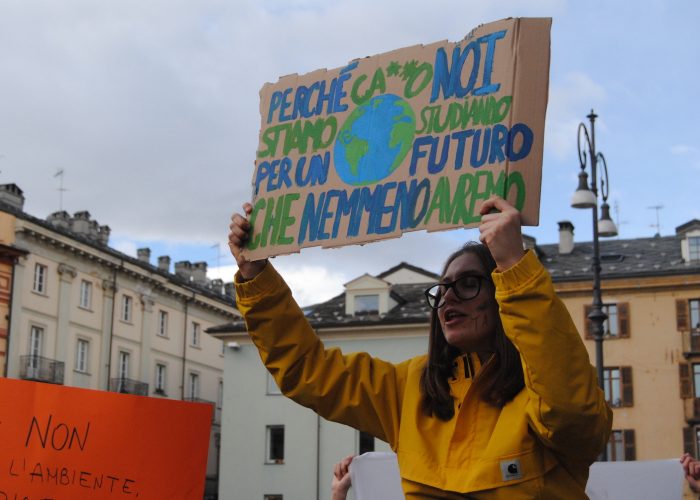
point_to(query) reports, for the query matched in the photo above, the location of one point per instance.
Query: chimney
(566, 237)
(230, 290)
(12, 195)
(199, 272)
(60, 220)
(103, 235)
(217, 286)
(184, 269)
(94, 230)
(529, 242)
(144, 255)
(80, 224)
(164, 263)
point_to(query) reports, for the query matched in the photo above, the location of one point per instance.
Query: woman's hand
(691, 468)
(239, 232)
(341, 479)
(501, 233)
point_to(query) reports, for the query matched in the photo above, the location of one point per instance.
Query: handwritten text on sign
(411, 139)
(62, 443)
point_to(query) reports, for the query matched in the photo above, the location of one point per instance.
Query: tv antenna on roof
(618, 222)
(61, 189)
(658, 223)
(218, 254)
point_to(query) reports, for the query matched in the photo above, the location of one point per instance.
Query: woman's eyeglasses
(464, 288)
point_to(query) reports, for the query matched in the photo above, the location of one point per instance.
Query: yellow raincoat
(539, 445)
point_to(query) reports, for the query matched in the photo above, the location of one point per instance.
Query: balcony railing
(216, 414)
(691, 343)
(41, 369)
(692, 409)
(128, 386)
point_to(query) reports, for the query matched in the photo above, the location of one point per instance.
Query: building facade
(85, 315)
(651, 291)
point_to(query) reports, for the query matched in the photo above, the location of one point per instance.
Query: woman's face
(469, 325)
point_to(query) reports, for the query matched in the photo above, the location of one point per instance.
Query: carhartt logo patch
(510, 469)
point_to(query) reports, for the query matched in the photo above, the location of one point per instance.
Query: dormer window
(693, 248)
(367, 304)
(689, 234)
(367, 295)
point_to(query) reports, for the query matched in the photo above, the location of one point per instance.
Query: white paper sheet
(638, 480)
(375, 476)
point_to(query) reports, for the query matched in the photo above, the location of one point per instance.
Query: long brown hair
(497, 382)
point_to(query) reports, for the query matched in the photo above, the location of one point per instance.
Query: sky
(151, 110)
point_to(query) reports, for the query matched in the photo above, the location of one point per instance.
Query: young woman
(505, 405)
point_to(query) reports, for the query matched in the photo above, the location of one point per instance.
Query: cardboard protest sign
(63, 443)
(411, 139)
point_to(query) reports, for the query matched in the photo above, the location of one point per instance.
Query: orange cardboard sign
(413, 139)
(64, 443)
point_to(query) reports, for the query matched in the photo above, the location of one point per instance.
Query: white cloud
(313, 284)
(124, 246)
(683, 150)
(569, 98)
(224, 273)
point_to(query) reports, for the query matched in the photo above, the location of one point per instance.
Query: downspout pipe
(9, 317)
(184, 346)
(111, 323)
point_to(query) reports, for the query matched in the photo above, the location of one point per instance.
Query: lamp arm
(604, 184)
(583, 131)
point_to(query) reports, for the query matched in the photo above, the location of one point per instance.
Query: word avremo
(380, 209)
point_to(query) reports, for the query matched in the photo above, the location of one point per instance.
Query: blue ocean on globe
(374, 140)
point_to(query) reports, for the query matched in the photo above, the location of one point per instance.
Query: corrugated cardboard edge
(536, 82)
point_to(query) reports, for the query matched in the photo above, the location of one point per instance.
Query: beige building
(651, 291)
(85, 315)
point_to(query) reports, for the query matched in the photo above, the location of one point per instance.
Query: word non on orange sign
(63, 443)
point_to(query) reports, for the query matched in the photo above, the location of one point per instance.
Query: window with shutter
(612, 386)
(694, 312)
(617, 324)
(696, 380)
(684, 378)
(681, 315)
(622, 446)
(689, 440)
(627, 393)
(623, 318)
(611, 326)
(630, 447)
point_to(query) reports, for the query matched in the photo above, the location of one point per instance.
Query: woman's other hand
(239, 232)
(501, 233)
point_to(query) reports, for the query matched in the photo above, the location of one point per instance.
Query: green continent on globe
(354, 152)
(402, 132)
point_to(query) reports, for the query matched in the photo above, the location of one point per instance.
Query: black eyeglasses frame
(430, 298)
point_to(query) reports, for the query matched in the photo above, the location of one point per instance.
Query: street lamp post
(586, 197)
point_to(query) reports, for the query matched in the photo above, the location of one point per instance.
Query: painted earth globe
(374, 140)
